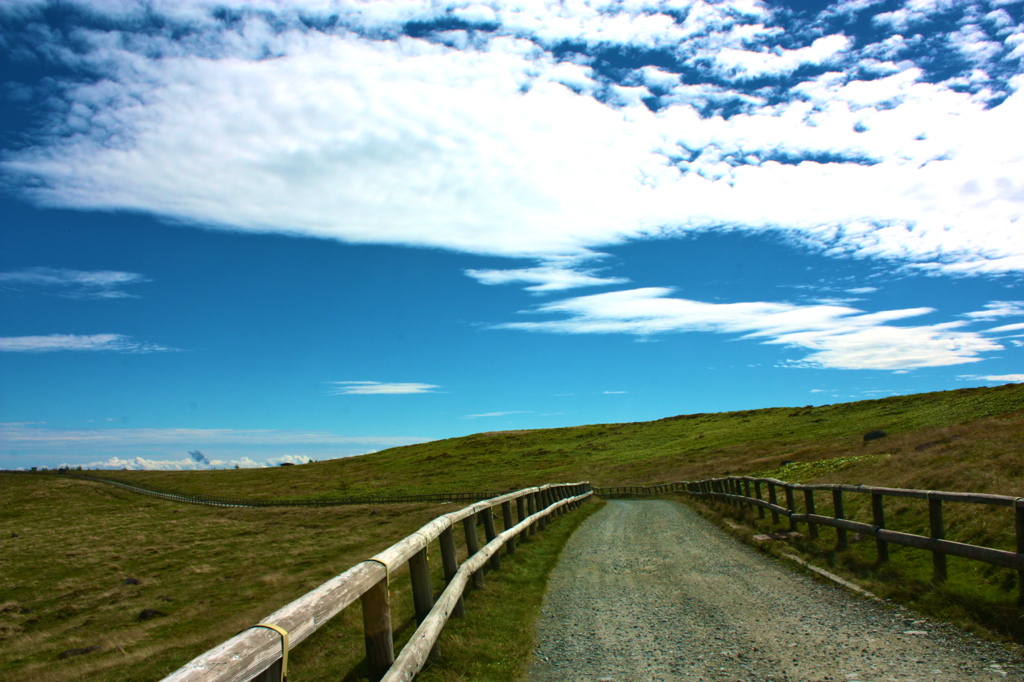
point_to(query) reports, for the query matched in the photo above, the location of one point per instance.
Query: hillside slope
(966, 425)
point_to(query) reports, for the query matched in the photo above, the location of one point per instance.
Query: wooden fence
(260, 654)
(215, 501)
(751, 492)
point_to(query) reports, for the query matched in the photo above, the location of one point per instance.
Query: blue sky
(274, 230)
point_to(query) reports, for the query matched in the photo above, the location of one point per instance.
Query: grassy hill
(970, 425)
(69, 545)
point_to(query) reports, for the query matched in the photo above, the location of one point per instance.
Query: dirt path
(648, 590)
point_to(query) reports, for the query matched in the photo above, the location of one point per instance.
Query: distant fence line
(750, 492)
(260, 653)
(216, 501)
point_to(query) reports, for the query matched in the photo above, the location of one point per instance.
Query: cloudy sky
(277, 229)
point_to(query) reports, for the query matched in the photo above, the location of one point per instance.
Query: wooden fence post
(422, 590)
(1018, 506)
(839, 513)
(791, 505)
(938, 533)
(746, 491)
(380, 647)
(271, 674)
(542, 503)
(812, 527)
(773, 498)
(450, 561)
(521, 515)
(878, 514)
(757, 494)
(473, 546)
(531, 501)
(490, 533)
(506, 518)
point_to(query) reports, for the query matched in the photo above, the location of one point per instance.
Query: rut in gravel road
(648, 590)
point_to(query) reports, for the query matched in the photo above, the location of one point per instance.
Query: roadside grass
(976, 596)
(495, 640)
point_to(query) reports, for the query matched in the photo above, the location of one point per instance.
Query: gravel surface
(648, 590)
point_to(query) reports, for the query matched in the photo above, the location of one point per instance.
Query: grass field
(68, 545)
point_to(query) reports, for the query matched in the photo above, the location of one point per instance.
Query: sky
(247, 233)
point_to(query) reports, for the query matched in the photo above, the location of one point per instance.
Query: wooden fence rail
(259, 654)
(215, 501)
(748, 491)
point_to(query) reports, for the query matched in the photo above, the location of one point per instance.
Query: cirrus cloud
(75, 283)
(378, 388)
(52, 343)
(838, 337)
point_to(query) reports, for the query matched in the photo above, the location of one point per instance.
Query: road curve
(648, 590)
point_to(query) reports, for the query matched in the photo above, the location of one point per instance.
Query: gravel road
(648, 590)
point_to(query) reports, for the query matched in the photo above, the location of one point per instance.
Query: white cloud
(973, 43)
(186, 464)
(499, 147)
(1007, 328)
(913, 12)
(75, 283)
(749, 64)
(997, 309)
(33, 444)
(996, 378)
(838, 337)
(116, 343)
(493, 414)
(862, 290)
(545, 278)
(378, 388)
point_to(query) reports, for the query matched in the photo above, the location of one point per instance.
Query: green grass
(67, 546)
(215, 571)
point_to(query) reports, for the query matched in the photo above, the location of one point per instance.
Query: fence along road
(647, 589)
(259, 654)
(749, 491)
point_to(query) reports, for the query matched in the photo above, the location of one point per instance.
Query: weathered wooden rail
(259, 654)
(215, 501)
(751, 492)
